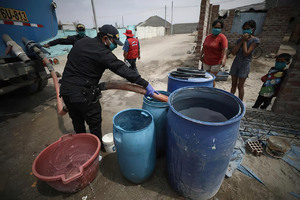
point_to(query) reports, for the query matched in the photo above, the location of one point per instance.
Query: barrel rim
(234, 119)
(140, 109)
(157, 104)
(193, 80)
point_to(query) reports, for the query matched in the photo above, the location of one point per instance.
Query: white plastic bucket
(108, 142)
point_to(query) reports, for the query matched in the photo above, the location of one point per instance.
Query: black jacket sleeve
(120, 68)
(70, 40)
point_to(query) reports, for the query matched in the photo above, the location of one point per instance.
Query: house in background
(69, 27)
(185, 28)
(154, 26)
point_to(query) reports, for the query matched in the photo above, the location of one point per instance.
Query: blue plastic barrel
(134, 139)
(159, 111)
(202, 127)
(175, 83)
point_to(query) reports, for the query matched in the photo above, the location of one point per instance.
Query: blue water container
(159, 111)
(134, 139)
(202, 127)
(175, 83)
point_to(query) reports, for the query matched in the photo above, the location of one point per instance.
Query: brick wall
(215, 12)
(288, 99)
(275, 27)
(202, 28)
(276, 24)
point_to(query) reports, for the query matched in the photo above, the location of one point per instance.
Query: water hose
(61, 109)
(188, 72)
(130, 87)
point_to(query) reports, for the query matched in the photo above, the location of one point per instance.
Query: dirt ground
(30, 123)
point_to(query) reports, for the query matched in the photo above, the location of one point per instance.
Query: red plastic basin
(69, 164)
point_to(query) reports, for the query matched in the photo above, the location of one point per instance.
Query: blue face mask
(81, 33)
(249, 31)
(280, 65)
(112, 46)
(216, 31)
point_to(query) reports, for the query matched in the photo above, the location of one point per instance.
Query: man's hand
(139, 57)
(150, 91)
(46, 45)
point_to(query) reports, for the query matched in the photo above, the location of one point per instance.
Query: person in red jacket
(214, 51)
(131, 50)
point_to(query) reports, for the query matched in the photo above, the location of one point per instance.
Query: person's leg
(267, 101)
(234, 82)
(241, 83)
(133, 65)
(76, 115)
(258, 101)
(93, 118)
(214, 70)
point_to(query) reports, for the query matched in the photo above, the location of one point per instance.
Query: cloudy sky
(132, 12)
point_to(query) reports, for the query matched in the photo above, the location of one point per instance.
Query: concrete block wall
(288, 98)
(144, 32)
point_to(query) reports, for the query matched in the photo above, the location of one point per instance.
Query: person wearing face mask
(86, 63)
(243, 50)
(214, 51)
(71, 39)
(272, 81)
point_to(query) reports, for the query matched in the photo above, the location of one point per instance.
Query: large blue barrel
(134, 139)
(202, 127)
(159, 111)
(175, 83)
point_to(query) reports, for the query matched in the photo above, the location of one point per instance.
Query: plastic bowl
(69, 164)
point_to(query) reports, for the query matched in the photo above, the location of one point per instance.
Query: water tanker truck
(23, 24)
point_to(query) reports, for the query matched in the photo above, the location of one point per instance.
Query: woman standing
(243, 50)
(214, 51)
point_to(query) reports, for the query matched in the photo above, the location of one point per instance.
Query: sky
(132, 12)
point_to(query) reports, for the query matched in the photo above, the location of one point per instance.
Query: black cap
(80, 27)
(111, 32)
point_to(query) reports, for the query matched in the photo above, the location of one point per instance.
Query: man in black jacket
(87, 61)
(71, 39)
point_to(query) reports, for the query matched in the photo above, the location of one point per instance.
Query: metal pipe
(16, 49)
(94, 14)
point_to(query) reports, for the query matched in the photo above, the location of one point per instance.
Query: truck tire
(43, 84)
(35, 87)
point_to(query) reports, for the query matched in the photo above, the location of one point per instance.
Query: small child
(272, 81)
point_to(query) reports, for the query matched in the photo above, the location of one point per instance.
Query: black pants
(261, 99)
(81, 112)
(133, 65)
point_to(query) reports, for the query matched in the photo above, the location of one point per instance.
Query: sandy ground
(30, 123)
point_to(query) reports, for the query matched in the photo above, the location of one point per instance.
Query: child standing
(243, 50)
(272, 81)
